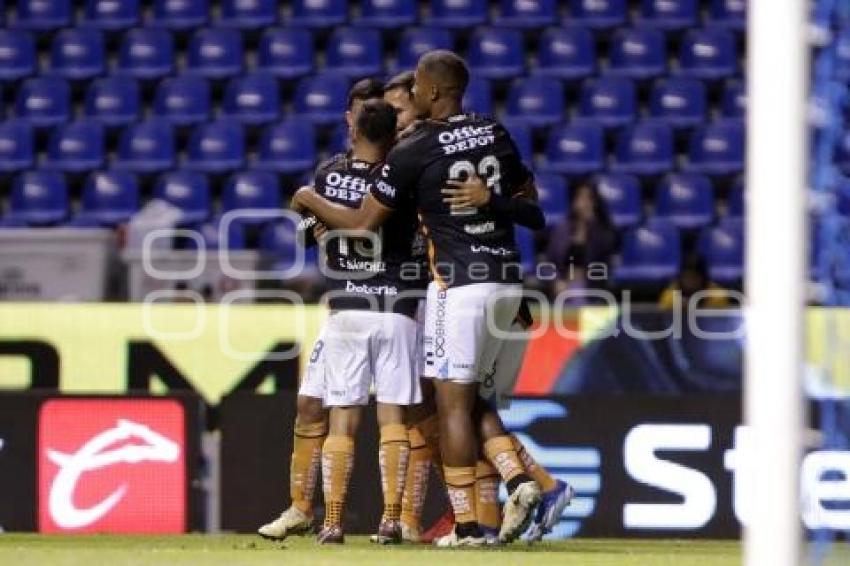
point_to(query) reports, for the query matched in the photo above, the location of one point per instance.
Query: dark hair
(600, 209)
(448, 69)
(402, 80)
(376, 120)
(365, 89)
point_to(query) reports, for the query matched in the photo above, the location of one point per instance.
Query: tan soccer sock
(535, 470)
(304, 466)
(487, 495)
(337, 462)
(416, 483)
(501, 453)
(430, 430)
(460, 483)
(393, 459)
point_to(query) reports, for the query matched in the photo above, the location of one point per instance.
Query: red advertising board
(112, 466)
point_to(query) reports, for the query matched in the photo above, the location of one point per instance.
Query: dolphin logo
(94, 455)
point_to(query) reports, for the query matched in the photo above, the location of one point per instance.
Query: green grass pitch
(246, 550)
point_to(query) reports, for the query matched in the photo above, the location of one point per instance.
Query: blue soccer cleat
(551, 508)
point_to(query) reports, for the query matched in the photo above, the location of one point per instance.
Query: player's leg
(393, 458)
(488, 509)
(557, 494)
(311, 428)
(337, 464)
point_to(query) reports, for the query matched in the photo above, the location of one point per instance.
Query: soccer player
(475, 292)
(311, 422)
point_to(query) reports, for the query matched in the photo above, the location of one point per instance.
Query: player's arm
(369, 216)
(521, 208)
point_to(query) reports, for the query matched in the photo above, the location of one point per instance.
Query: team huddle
(417, 224)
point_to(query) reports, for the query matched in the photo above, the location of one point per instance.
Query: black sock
(468, 529)
(514, 482)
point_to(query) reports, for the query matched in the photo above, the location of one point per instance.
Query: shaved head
(441, 79)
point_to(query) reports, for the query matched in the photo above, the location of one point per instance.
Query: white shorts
(498, 383)
(465, 327)
(358, 351)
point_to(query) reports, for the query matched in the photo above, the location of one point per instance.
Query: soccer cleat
(552, 506)
(389, 532)
(293, 521)
(519, 511)
(331, 535)
(441, 527)
(452, 540)
(410, 533)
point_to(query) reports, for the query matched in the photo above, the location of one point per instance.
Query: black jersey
(465, 246)
(387, 272)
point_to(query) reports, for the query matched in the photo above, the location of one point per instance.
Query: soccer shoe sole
(551, 516)
(523, 502)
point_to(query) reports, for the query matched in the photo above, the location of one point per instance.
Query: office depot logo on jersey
(112, 465)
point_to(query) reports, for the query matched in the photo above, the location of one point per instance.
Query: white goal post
(777, 82)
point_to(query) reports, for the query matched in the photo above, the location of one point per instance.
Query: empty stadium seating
(210, 96)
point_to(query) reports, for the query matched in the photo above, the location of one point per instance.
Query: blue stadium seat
(180, 15)
(183, 100)
(324, 14)
(610, 101)
(43, 15)
(723, 249)
(651, 254)
(287, 147)
(670, 14)
(146, 53)
(496, 53)
(717, 149)
(111, 15)
(146, 147)
(252, 99)
(524, 239)
(622, 196)
(387, 13)
(251, 190)
(645, 149)
(566, 53)
(215, 53)
(638, 53)
(16, 146)
(286, 53)
(524, 14)
(43, 101)
(322, 99)
(728, 13)
(38, 198)
(77, 54)
(216, 147)
(521, 136)
(478, 97)
(338, 142)
(552, 195)
(598, 14)
(575, 149)
(210, 233)
(457, 13)
(686, 199)
(279, 244)
(708, 54)
(536, 101)
(733, 103)
(75, 147)
(113, 101)
(354, 52)
(17, 54)
(681, 102)
(109, 197)
(248, 14)
(187, 190)
(414, 42)
(735, 199)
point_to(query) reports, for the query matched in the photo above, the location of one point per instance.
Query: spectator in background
(581, 246)
(693, 278)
